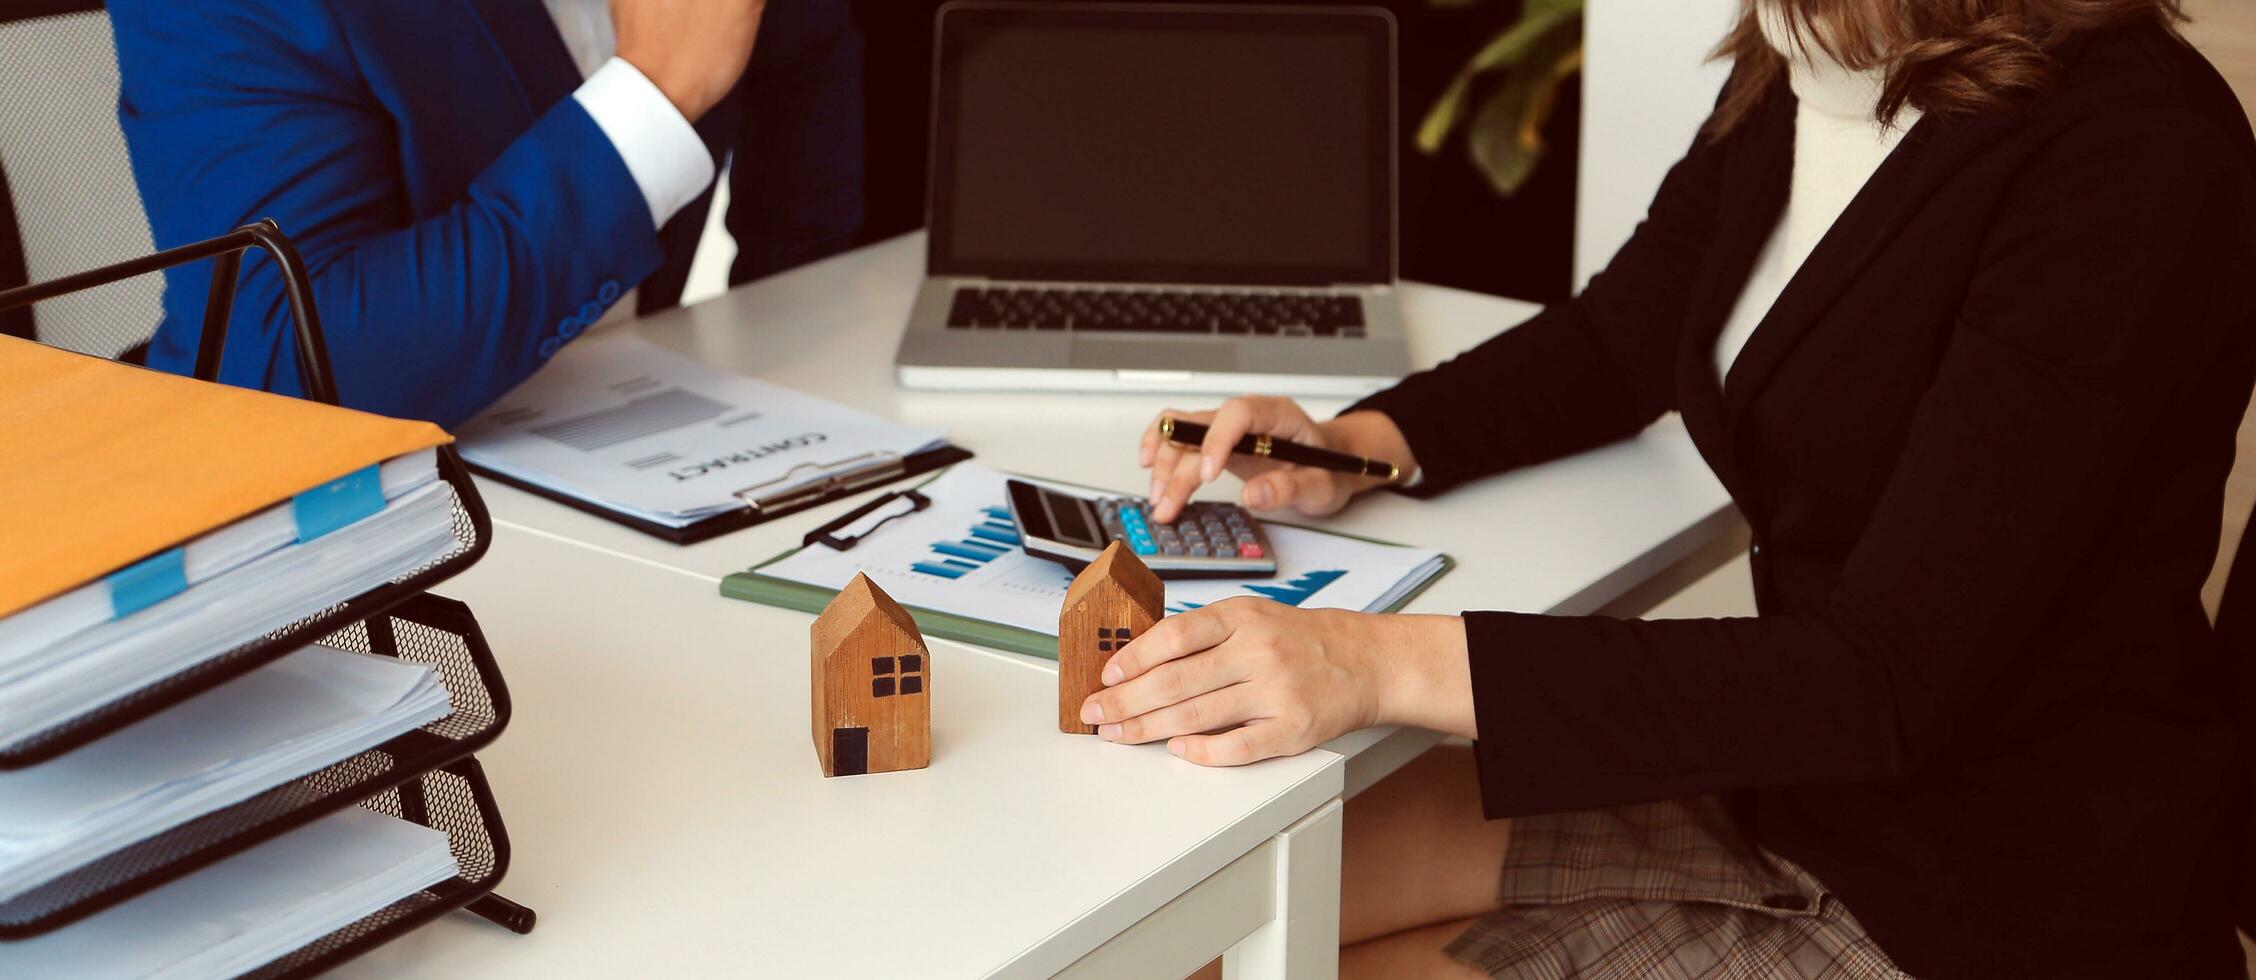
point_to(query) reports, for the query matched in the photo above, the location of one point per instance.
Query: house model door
(849, 751)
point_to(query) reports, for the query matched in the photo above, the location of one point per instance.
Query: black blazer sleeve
(2099, 291)
(1583, 373)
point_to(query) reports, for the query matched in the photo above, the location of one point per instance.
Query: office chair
(68, 201)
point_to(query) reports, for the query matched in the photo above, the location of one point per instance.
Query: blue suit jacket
(461, 216)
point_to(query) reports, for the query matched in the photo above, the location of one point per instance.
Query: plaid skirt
(1669, 890)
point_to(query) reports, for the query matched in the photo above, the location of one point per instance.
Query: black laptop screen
(1163, 144)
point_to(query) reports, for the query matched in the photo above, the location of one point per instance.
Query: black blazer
(1982, 442)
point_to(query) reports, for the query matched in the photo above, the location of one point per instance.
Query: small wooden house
(1111, 602)
(871, 679)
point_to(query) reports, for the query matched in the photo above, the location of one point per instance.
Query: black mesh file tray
(423, 629)
(473, 532)
(456, 800)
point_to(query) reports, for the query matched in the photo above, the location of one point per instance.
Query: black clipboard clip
(835, 478)
(828, 533)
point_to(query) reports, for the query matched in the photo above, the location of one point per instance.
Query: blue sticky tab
(147, 582)
(337, 503)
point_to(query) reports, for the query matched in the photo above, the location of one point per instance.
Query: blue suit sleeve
(236, 110)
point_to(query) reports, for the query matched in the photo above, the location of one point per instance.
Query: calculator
(1209, 540)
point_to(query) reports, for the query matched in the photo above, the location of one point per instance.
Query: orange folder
(103, 464)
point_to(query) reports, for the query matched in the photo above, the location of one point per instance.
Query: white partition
(1647, 85)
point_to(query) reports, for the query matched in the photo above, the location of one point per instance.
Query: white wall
(1646, 88)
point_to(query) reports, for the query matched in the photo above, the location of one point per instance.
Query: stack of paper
(297, 715)
(629, 426)
(73, 653)
(153, 522)
(249, 909)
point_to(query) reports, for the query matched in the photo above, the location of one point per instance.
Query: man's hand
(693, 50)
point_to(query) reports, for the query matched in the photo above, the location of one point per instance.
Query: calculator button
(1249, 550)
(1143, 547)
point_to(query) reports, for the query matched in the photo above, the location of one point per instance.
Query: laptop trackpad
(1154, 355)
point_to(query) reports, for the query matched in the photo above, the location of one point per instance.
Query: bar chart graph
(1292, 592)
(992, 537)
(962, 556)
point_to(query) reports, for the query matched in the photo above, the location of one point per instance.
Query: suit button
(548, 347)
(590, 312)
(570, 327)
(608, 293)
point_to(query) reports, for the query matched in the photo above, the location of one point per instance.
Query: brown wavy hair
(1946, 57)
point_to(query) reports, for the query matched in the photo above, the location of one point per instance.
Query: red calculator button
(1249, 550)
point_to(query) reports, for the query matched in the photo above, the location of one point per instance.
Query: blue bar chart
(992, 537)
(1294, 592)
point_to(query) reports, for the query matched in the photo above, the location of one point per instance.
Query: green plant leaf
(1542, 20)
(1505, 137)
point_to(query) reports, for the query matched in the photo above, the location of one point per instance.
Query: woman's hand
(1178, 471)
(1247, 679)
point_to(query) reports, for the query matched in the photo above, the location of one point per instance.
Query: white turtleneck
(1837, 146)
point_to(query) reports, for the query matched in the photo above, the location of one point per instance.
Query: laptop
(1160, 197)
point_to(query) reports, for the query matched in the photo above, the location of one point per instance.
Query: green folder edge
(752, 586)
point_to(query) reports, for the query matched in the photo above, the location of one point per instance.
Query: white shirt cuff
(663, 152)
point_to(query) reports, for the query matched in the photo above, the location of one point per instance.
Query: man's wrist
(661, 150)
(685, 97)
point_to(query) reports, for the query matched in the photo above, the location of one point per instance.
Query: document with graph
(627, 425)
(958, 568)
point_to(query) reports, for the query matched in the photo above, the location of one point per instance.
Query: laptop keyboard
(1245, 313)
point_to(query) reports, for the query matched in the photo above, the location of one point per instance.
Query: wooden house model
(1111, 602)
(871, 679)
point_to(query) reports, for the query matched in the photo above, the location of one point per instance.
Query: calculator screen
(1069, 520)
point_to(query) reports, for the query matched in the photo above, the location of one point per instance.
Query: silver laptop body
(1160, 197)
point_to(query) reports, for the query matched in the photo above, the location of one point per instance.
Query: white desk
(668, 817)
(659, 780)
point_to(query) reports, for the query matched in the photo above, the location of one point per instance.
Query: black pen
(1193, 434)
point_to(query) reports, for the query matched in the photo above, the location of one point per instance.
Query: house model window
(903, 674)
(1107, 637)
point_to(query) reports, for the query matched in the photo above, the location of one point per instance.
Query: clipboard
(845, 478)
(752, 585)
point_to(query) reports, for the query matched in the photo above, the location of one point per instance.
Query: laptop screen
(1160, 143)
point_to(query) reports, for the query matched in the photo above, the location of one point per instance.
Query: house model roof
(859, 605)
(1120, 567)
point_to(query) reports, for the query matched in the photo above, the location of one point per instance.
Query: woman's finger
(1232, 422)
(1276, 488)
(1315, 492)
(1182, 481)
(1173, 682)
(1153, 442)
(1170, 639)
(1225, 707)
(1164, 461)
(1236, 747)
